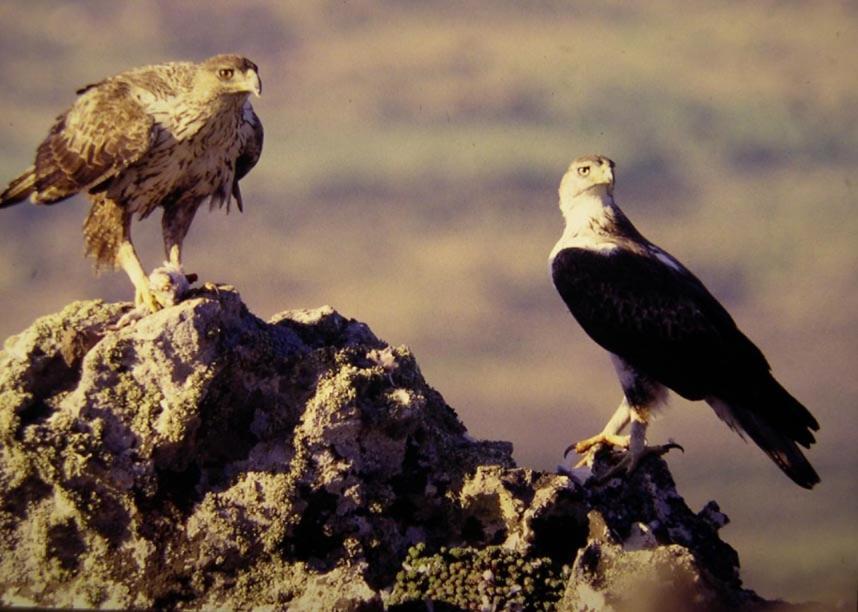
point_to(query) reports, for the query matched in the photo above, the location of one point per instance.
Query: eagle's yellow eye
(584, 170)
(225, 73)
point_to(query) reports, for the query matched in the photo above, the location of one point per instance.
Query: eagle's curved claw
(669, 446)
(165, 286)
(632, 459)
(585, 446)
(144, 298)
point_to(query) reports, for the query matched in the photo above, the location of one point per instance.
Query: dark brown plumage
(169, 136)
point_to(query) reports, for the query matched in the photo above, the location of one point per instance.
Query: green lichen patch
(491, 578)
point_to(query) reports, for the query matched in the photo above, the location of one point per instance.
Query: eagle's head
(593, 173)
(228, 75)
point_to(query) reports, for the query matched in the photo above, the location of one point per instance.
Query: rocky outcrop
(200, 457)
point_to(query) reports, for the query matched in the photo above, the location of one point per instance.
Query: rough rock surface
(200, 457)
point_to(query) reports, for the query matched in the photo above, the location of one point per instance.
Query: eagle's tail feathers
(777, 425)
(797, 420)
(782, 450)
(19, 189)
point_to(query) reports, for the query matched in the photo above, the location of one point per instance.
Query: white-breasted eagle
(172, 135)
(664, 330)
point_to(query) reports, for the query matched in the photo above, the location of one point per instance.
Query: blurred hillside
(413, 150)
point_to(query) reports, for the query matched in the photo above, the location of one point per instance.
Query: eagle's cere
(664, 330)
(172, 136)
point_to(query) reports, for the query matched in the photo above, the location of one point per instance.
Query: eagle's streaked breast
(193, 155)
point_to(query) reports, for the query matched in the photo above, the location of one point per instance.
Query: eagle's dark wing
(252, 135)
(658, 318)
(105, 131)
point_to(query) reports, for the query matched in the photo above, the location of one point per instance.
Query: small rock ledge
(201, 457)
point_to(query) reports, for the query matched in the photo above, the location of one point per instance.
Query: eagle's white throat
(586, 215)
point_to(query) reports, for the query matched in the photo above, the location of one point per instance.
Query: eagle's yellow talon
(603, 438)
(631, 460)
(144, 298)
(590, 446)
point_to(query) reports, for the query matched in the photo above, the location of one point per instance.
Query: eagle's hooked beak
(254, 82)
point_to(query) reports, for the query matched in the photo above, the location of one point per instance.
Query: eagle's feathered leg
(107, 238)
(168, 283)
(127, 258)
(641, 395)
(175, 224)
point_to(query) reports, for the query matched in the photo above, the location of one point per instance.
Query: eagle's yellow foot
(632, 459)
(590, 446)
(603, 438)
(144, 298)
(211, 287)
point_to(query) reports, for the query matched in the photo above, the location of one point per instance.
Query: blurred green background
(413, 151)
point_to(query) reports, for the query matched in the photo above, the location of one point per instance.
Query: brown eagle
(664, 330)
(171, 135)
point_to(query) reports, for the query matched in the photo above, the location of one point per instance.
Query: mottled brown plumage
(171, 136)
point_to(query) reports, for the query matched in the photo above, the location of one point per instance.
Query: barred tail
(19, 189)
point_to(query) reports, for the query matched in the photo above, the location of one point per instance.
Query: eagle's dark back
(641, 305)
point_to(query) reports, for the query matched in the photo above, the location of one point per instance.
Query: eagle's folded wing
(105, 131)
(657, 317)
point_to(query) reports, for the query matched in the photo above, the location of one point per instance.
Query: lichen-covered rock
(647, 551)
(201, 457)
